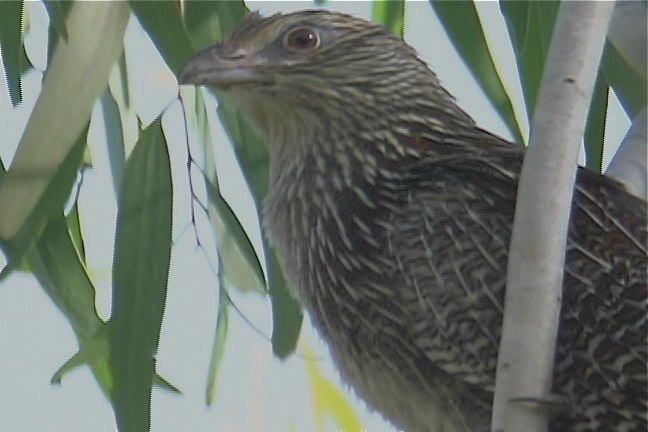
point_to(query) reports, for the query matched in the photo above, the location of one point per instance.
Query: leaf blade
(463, 27)
(79, 67)
(140, 272)
(390, 13)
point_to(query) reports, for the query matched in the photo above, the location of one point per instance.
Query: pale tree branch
(537, 253)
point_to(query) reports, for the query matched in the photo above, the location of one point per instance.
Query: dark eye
(302, 39)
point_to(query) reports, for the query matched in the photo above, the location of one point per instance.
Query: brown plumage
(391, 212)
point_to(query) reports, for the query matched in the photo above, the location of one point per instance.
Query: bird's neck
(326, 198)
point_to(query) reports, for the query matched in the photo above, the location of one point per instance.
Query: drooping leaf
(63, 277)
(240, 266)
(114, 138)
(57, 11)
(595, 125)
(463, 27)
(92, 351)
(287, 315)
(209, 22)
(629, 87)
(530, 26)
(163, 23)
(252, 155)
(49, 205)
(253, 158)
(249, 148)
(390, 13)
(14, 58)
(218, 346)
(56, 264)
(80, 68)
(74, 227)
(140, 272)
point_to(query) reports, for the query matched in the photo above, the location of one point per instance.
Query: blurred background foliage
(39, 217)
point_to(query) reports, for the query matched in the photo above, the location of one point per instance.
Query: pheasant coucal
(391, 212)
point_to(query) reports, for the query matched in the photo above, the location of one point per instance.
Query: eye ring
(302, 39)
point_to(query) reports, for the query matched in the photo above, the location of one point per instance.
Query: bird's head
(309, 71)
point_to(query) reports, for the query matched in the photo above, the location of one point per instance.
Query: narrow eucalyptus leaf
(240, 265)
(287, 315)
(253, 159)
(595, 125)
(530, 26)
(140, 272)
(629, 87)
(79, 67)
(74, 228)
(50, 204)
(91, 352)
(208, 22)
(390, 13)
(14, 58)
(218, 346)
(57, 12)
(463, 27)
(114, 138)
(163, 23)
(63, 276)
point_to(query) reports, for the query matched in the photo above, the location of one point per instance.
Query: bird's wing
(450, 241)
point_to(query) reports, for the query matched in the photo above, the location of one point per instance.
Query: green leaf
(95, 353)
(163, 23)
(218, 347)
(250, 150)
(252, 155)
(74, 227)
(287, 315)
(14, 58)
(140, 272)
(463, 27)
(58, 267)
(240, 265)
(124, 95)
(595, 125)
(80, 68)
(60, 272)
(629, 87)
(57, 11)
(49, 205)
(253, 158)
(92, 351)
(209, 22)
(530, 26)
(114, 138)
(390, 13)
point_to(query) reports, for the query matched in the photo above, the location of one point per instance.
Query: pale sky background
(255, 391)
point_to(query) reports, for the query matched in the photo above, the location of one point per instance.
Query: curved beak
(222, 67)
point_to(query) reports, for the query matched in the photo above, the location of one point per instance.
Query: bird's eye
(302, 39)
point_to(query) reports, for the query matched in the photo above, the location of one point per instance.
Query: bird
(391, 213)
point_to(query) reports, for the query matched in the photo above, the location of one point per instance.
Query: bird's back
(422, 320)
(452, 240)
